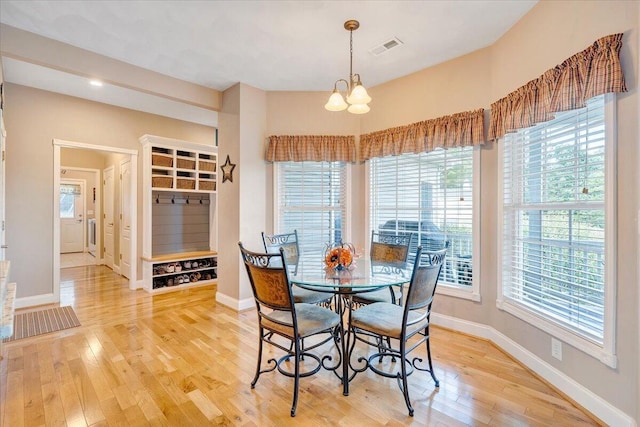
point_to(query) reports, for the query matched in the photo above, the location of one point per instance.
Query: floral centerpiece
(339, 256)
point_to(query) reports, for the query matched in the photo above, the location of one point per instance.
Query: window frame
(346, 227)
(471, 292)
(606, 352)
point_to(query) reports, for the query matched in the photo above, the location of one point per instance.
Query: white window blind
(312, 200)
(553, 246)
(430, 194)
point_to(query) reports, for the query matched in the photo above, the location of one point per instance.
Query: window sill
(458, 292)
(604, 355)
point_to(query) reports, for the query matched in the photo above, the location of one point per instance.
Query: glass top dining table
(358, 278)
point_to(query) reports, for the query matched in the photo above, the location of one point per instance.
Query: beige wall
(242, 124)
(229, 196)
(33, 119)
(251, 170)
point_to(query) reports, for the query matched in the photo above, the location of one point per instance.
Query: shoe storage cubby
(181, 270)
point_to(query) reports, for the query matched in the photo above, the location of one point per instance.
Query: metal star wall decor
(227, 170)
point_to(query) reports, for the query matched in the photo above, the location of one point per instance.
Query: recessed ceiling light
(97, 83)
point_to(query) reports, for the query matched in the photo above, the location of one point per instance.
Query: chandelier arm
(335, 85)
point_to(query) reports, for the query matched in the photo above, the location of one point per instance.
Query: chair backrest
(424, 279)
(269, 279)
(390, 249)
(287, 241)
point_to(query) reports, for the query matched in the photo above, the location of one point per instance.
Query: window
(68, 193)
(432, 195)
(311, 198)
(554, 227)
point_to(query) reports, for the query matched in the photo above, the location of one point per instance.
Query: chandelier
(357, 96)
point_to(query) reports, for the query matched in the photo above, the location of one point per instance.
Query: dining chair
(384, 321)
(388, 253)
(279, 315)
(289, 243)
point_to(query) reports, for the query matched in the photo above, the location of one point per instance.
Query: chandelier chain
(350, 59)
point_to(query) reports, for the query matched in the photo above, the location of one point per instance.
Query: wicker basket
(207, 185)
(186, 164)
(162, 182)
(186, 184)
(159, 160)
(207, 166)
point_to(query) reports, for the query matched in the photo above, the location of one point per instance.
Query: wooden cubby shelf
(179, 214)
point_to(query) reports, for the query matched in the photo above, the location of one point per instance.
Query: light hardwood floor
(180, 359)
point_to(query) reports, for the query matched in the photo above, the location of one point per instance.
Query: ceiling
(271, 45)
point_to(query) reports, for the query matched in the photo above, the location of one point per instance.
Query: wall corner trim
(234, 303)
(599, 407)
(36, 300)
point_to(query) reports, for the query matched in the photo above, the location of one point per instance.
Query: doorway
(90, 177)
(108, 192)
(125, 217)
(111, 152)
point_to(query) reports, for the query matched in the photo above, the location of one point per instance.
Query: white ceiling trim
(27, 74)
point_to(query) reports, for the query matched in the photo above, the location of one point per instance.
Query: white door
(3, 137)
(108, 194)
(72, 223)
(125, 218)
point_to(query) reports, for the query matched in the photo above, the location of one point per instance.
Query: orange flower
(338, 257)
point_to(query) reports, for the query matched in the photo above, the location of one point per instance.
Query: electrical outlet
(556, 348)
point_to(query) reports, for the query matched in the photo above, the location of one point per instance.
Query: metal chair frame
(420, 295)
(273, 295)
(388, 253)
(288, 241)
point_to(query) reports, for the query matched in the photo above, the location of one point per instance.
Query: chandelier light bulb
(358, 95)
(358, 108)
(336, 102)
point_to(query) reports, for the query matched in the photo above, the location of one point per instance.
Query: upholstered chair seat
(312, 319)
(384, 318)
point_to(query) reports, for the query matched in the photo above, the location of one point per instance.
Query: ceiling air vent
(386, 46)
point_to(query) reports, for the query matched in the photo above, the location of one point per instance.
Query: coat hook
(173, 199)
(187, 199)
(157, 198)
(200, 200)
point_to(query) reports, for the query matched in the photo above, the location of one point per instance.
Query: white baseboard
(136, 284)
(583, 396)
(116, 269)
(36, 300)
(234, 303)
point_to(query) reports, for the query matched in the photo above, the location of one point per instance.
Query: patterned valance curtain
(317, 148)
(592, 72)
(457, 130)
